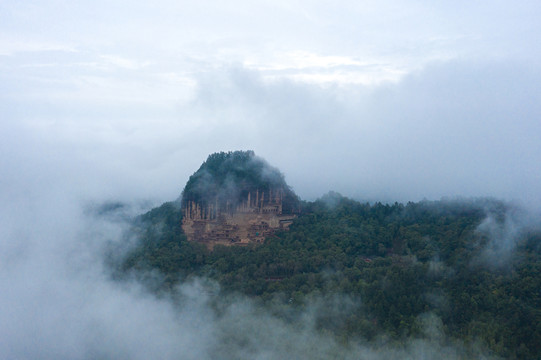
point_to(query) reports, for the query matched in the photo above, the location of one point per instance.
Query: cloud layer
(375, 99)
(452, 129)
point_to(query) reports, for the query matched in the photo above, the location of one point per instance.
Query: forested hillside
(399, 264)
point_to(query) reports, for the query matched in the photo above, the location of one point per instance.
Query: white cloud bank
(453, 129)
(378, 100)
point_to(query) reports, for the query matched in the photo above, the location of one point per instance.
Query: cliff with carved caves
(236, 198)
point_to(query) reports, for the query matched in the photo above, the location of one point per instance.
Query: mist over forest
(455, 277)
(109, 279)
(410, 134)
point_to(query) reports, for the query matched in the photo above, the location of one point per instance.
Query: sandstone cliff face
(236, 198)
(257, 217)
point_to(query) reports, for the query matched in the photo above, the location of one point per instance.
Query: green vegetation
(400, 262)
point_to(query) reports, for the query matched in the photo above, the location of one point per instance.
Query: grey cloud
(453, 129)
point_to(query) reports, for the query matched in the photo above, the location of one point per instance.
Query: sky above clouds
(380, 100)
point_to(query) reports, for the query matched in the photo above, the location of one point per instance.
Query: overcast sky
(379, 100)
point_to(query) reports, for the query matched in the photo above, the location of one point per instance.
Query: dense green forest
(397, 262)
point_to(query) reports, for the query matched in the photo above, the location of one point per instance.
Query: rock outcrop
(236, 198)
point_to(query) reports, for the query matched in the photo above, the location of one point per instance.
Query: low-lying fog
(59, 302)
